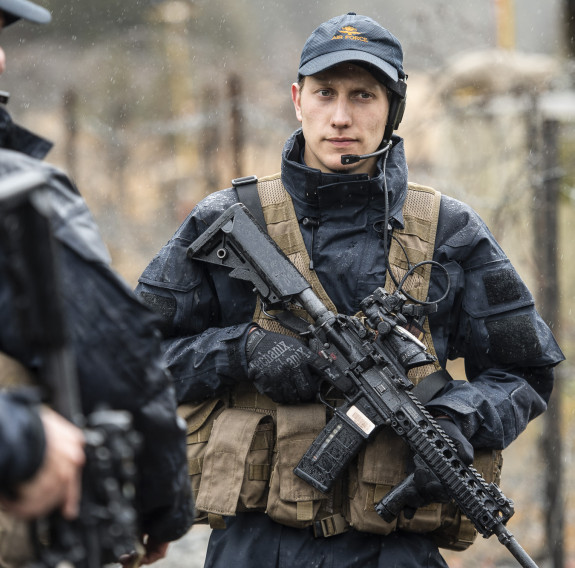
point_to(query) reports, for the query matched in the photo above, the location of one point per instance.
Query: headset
(397, 102)
(396, 106)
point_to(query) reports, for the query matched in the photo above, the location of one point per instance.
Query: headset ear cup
(399, 114)
(396, 110)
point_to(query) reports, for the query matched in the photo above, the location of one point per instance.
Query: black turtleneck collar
(19, 139)
(312, 189)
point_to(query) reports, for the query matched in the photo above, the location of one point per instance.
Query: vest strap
(304, 511)
(216, 522)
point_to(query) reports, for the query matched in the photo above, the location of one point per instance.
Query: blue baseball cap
(16, 9)
(357, 39)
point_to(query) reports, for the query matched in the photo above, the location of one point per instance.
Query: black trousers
(252, 540)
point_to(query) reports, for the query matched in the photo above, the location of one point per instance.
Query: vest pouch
(237, 463)
(372, 475)
(292, 501)
(199, 421)
(381, 465)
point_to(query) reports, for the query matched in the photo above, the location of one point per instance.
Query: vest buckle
(330, 526)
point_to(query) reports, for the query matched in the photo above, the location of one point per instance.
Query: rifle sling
(430, 386)
(247, 190)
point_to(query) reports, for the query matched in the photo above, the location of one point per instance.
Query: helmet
(16, 9)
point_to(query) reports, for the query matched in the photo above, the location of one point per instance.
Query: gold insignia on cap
(349, 32)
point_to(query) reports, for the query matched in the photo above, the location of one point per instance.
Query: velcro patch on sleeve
(165, 307)
(502, 286)
(513, 339)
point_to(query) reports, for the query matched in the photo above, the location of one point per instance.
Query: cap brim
(16, 9)
(323, 62)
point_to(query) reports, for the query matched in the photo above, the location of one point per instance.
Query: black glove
(283, 368)
(426, 487)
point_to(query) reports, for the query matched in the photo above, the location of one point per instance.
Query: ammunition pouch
(242, 460)
(292, 501)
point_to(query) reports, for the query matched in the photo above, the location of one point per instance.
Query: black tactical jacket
(488, 319)
(117, 348)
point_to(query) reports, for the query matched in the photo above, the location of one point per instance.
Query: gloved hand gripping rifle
(375, 386)
(107, 523)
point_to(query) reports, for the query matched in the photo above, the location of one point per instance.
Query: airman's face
(343, 110)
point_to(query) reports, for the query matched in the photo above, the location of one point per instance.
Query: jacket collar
(19, 139)
(312, 190)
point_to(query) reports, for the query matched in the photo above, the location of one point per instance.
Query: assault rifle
(107, 523)
(376, 391)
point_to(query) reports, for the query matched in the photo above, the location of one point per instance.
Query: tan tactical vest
(242, 449)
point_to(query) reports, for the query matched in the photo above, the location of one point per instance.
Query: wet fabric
(205, 329)
(117, 349)
(20, 427)
(256, 541)
(206, 354)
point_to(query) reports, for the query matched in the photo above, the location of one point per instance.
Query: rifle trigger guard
(323, 400)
